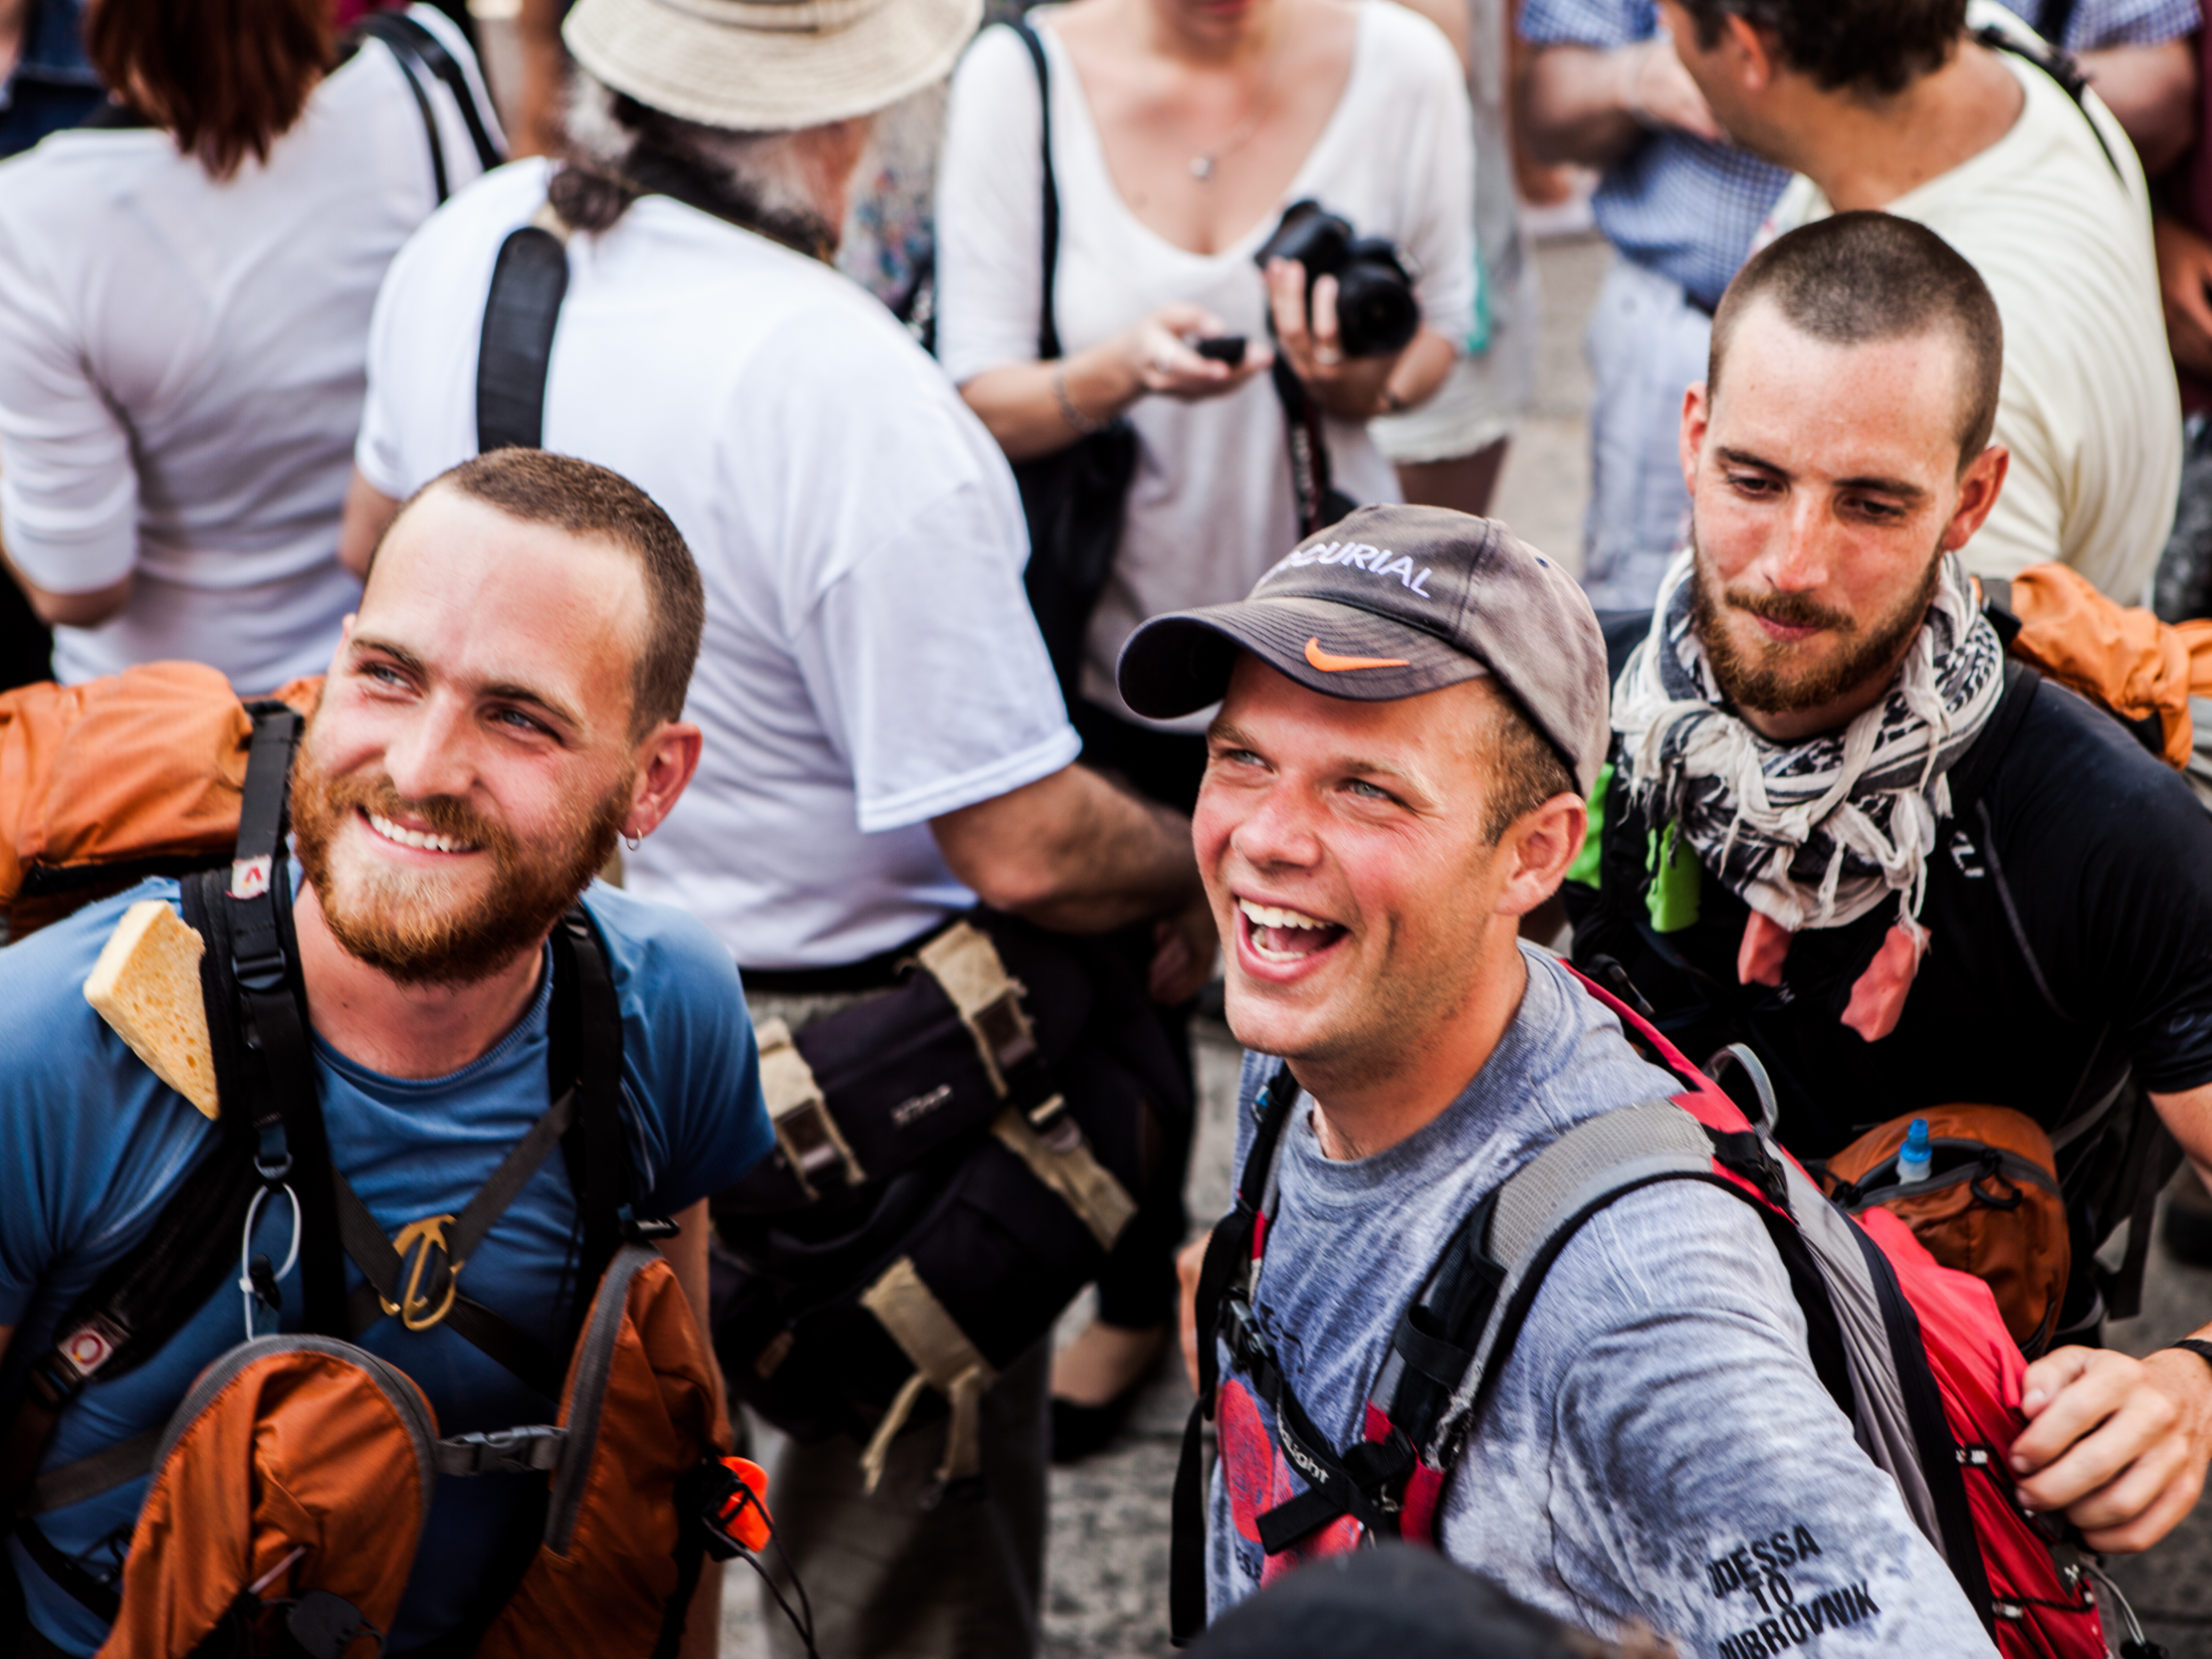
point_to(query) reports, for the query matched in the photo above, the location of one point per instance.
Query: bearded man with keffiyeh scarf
(1843, 826)
(1821, 832)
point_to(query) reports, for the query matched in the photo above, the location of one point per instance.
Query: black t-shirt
(2104, 959)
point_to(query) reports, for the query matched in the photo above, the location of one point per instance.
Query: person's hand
(1158, 354)
(1348, 386)
(2119, 1444)
(2185, 273)
(1189, 1261)
(1659, 92)
(1184, 947)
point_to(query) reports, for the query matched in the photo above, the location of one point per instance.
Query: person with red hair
(185, 285)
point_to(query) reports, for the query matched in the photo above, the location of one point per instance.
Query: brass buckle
(417, 1239)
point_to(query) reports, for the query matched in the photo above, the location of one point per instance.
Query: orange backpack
(1990, 1205)
(292, 1485)
(109, 782)
(2120, 657)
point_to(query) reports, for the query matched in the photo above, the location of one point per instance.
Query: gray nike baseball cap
(1392, 602)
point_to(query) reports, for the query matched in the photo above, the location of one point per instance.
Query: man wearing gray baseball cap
(1412, 705)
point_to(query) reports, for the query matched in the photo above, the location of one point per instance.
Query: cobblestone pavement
(1106, 1593)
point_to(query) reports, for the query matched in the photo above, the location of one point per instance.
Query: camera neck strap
(1320, 503)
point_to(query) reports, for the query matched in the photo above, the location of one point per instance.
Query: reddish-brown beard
(1763, 683)
(402, 922)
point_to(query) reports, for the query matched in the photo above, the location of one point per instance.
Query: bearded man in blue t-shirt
(508, 701)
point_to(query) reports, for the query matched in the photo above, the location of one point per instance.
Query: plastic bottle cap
(1913, 1159)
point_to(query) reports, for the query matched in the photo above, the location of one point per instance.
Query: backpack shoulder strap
(419, 47)
(529, 280)
(1230, 1250)
(1539, 1209)
(1973, 772)
(257, 1011)
(379, 25)
(421, 57)
(2055, 61)
(1048, 327)
(587, 1056)
(141, 1300)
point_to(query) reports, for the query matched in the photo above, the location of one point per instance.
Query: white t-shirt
(181, 367)
(2088, 407)
(870, 662)
(1211, 507)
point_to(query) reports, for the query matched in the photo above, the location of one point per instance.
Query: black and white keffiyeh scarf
(1819, 833)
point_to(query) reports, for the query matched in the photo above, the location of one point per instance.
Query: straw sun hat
(770, 65)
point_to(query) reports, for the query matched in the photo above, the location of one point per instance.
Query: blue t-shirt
(1658, 1419)
(52, 86)
(91, 1145)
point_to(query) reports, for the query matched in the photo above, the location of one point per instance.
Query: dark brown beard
(397, 924)
(1763, 683)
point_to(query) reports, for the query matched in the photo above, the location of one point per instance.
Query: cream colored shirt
(2089, 406)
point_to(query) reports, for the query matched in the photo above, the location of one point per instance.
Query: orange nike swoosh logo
(1328, 661)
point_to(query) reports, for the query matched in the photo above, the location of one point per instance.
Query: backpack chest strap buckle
(415, 1242)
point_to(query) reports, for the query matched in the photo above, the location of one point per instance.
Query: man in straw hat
(884, 738)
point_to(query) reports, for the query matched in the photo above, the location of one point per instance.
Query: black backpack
(955, 1160)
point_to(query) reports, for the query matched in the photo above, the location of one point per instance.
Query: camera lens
(1376, 312)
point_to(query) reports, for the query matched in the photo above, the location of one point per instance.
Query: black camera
(1376, 312)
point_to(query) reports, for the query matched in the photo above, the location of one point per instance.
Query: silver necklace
(1206, 163)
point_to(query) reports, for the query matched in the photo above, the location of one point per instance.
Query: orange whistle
(745, 1513)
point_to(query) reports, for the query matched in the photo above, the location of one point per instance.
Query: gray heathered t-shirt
(1659, 1446)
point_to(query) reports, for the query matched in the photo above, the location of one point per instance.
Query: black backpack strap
(133, 1310)
(141, 1302)
(1229, 1254)
(1931, 1426)
(418, 48)
(419, 1279)
(252, 944)
(1048, 327)
(587, 1056)
(411, 69)
(584, 1073)
(529, 280)
(1433, 1346)
(1972, 774)
(2055, 61)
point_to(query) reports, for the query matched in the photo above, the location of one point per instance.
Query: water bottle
(1915, 1156)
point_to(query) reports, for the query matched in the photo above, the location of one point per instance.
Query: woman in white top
(185, 288)
(1181, 131)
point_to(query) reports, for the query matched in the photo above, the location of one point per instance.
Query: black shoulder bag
(1073, 498)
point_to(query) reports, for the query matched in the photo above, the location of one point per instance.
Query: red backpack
(1916, 1355)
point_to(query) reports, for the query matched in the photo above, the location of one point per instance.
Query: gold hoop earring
(633, 842)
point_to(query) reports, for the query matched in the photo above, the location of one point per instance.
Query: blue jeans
(1646, 345)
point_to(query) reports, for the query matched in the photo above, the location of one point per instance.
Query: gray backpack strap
(1598, 1156)
(1541, 1206)
(1869, 1314)
(528, 281)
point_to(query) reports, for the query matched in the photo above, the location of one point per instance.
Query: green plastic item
(1585, 866)
(1675, 882)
